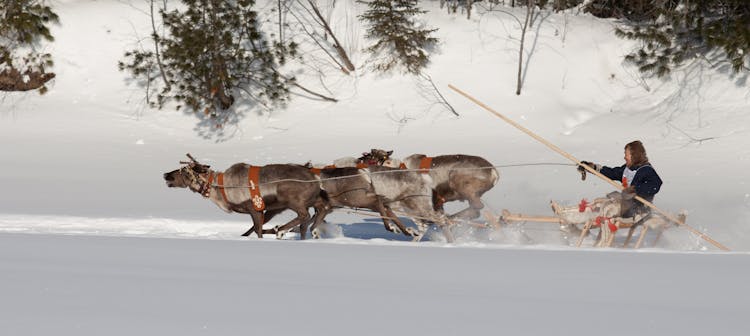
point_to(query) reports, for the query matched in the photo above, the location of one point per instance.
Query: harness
(425, 164)
(253, 177)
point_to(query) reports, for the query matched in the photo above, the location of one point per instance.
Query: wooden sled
(601, 214)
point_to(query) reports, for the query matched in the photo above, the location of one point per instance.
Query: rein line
(395, 171)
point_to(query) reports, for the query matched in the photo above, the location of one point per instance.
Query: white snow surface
(92, 241)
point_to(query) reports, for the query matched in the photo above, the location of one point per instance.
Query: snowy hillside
(87, 158)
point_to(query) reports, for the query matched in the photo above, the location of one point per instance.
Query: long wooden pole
(589, 169)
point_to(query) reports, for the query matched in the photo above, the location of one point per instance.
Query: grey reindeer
(279, 187)
(381, 189)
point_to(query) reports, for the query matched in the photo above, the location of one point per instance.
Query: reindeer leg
(421, 230)
(257, 224)
(405, 230)
(387, 215)
(474, 209)
(314, 231)
(302, 216)
(306, 224)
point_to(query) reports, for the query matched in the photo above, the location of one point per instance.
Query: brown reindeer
(380, 189)
(454, 178)
(280, 186)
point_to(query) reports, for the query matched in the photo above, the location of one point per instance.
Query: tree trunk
(281, 23)
(529, 12)
(337, 46)
(156, 48)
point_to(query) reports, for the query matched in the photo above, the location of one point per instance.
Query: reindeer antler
(192, 161)
(192, 158)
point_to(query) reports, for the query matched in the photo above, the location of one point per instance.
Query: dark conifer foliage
(680, 30)
(636, 10)
(24, 25)
(214, 52)
(399, 41)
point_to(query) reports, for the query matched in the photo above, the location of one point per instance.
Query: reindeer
(280, 186)
(379, 189)
(454, 178)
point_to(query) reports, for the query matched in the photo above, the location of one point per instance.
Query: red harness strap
(583, 205)
(425, 164)
(206, 190)
(220, 182)
(600, 220)
(253, 176)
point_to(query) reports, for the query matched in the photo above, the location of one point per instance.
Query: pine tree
(689, 29)
(24, 25)
(214, 52)
(399, 42)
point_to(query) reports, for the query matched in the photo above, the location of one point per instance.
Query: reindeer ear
(389, 152)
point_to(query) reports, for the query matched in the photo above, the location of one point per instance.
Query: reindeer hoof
(279, 234)
(412, 232)
(393, 228)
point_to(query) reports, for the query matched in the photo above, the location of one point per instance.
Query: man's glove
(583, 170)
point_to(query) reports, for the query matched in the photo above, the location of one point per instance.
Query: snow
(127, 286)
(93, 242)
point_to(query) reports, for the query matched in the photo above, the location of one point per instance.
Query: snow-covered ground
(84, 196)
(74, 285)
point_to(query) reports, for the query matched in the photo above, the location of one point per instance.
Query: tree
(214, 52)
(524, 27)
(689, 29)
(399, 42)
(310, 18)
(24, 25)
(636, 10)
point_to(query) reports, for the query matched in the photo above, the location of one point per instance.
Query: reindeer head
(375, 157)
(188, 176)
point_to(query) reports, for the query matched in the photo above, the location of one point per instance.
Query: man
(637, 175)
